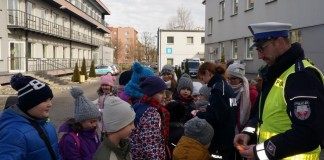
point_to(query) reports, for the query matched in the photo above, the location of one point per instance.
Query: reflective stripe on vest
(274, 117)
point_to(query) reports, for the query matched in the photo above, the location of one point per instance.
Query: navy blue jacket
(221, 115)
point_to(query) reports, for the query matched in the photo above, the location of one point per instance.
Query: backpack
(75, 137)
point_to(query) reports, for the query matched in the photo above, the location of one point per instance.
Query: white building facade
(227, 34)
(176, 45)
(40, 35)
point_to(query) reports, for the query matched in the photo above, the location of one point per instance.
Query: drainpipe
(26, 36)
(70, 42)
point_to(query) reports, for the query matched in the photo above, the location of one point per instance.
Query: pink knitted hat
(107, 79)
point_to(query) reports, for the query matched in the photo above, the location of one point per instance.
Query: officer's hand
(248, 152)
(241, 139)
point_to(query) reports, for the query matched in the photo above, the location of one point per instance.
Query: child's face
(185, 92)
(126, 131)
(89, 124)
(106, 88)
(41, 110)
(195, 97)
(167, 100)
(160, 96)
(166, 76)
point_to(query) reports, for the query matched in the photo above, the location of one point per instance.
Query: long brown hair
(212, 68)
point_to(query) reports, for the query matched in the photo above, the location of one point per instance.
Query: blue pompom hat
(132, 88)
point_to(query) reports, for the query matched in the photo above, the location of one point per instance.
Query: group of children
(145, 117)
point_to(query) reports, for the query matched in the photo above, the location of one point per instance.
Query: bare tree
(148, 42)
(182, 21)
(118, 47)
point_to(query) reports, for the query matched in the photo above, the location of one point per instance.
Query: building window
(29, 7)
(221, 50)
(190, 40)
(295, 36)
(202, 40)
(43, 13)
(55, 52)
(54, 16)
(126, 33)
(210, 26)
(170, 40)
(249, 50)
(221, 10)
(234, 49)
(170, 61)
(234, 7)
(30, 50)
(115, 33)
(249, 4)
(44, 50)
(126, 46)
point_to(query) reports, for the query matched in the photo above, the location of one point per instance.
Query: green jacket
(109, 151)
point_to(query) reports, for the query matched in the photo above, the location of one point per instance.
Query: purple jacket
(89, 143)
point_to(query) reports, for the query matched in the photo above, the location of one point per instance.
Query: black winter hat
(31, 91)
(125, 77)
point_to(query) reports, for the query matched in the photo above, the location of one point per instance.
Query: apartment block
(227, 33)
(176, 45)
(126, 46)
(38, 35)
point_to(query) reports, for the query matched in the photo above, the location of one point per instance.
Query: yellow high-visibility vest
(274, 117)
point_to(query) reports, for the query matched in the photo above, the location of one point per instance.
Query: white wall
(180, 49)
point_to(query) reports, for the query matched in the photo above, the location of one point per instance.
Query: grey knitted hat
(199, 129)
(167, 69)
(84, 108)
(205, 91)
(236, 69)
(185, 82)
(117, 114)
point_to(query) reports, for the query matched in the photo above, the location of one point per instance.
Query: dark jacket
(221, 114)
(305, 134)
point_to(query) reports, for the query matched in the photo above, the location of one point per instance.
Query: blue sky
(149, 15)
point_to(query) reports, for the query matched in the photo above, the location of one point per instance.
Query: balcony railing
(20, 19)
(88, 11)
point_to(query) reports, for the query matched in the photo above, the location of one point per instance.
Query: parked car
(103, 70)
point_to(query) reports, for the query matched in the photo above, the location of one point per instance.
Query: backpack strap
(76, 138)
(44, 137)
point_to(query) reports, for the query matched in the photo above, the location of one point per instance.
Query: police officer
(289, 115)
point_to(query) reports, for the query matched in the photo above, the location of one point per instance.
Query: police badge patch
(302, 110)
(271, 148)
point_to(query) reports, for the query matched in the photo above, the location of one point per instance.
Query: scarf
(242, 93)
(165, 115)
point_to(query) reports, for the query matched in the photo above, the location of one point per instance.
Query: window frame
(250, 4)
(190, 38)
(210, 26)
(221, 10)
(169, 40)
(235, 7)
(234, 49)
(249, 50)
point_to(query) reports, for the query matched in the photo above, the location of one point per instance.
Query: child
(132, 88)
(184, 91)
(25, 127)
(177, 112)
(169, 77)
(195, 91)
(168, 97)
(81, 139)
(149, 138)
(119, 123)
(105, 90)
(124, 78)
(203, 100)
(198, 134)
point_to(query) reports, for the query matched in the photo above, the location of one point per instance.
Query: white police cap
(268, 30)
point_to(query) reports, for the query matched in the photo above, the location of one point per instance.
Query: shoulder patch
(271, 148)
(302, 110)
